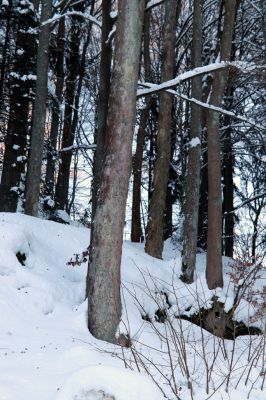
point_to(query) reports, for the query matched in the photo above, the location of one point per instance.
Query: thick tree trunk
(136, 230)
(39, 115)
(102, 103)
(214, 270)
(192, 180)
(62, 184)
(4, 55)
(154, 233)
(103, 285)
(55, 123)
(22, 82)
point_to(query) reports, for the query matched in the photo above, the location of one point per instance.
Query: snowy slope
(47, 353)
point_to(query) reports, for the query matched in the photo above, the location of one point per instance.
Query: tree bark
(154, 233)
(102, 103)
(62, 184)
(214, 270)
(136, 230)
(22, 82)
(39, 115)
(52, 142)
(192, 180)
(103, 281)
(228, 185)
(4, 54)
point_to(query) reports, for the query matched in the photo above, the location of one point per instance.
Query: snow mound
(108, 383)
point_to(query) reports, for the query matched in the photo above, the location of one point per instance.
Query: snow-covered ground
(47, 353)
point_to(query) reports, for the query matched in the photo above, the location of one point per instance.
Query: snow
(122, 384)
(153, 3)
(47, 353)
(194, 142)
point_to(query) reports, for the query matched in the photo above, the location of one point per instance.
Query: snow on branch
(218, 109)
(153, 3)
(211, 107)
(154, 88)
(77, 147)
(73, 14)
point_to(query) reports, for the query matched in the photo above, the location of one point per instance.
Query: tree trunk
(39, 115)
(62, 184)
(22, 82)
(214, 270)
(136, 230)
(102, 103)
(154, 233)
(203, 200)
(4, 54)
(192, 180)
(103, 282)
(171, 193)
(228, 185)
(52, 142)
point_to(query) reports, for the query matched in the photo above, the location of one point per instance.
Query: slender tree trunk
(214, 270)
(55, 123)
(203, 201)
(228, 185)
(102, 103)
(192, 180)
(136, 230)
(103, 284)
(171, 194)
(62, 184)
(263, 10)
(154, 234)
(255, 236)
(39, 115)
(22, 81)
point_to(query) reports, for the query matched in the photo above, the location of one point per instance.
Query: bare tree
(102, 102)
(154, 233)
(72, 62)
(55, 122)
(214, 271)
(21, 82)
(39, 115)
(103, 281)
(136, 230)
(192, 182)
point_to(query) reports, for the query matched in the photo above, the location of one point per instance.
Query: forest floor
(47, 353)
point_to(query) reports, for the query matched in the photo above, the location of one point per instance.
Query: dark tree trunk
(154, 233)
(103, 284)
(62, 184)
(203, 202)
(171, 196)
(55, 123)
(39, 115)
(228, 189)
(192, 180)
(102, 103)
(214, 270)
(136, 230)
(22, 82)
(4, 54)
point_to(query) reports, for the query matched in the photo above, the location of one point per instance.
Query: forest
(133, 192)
